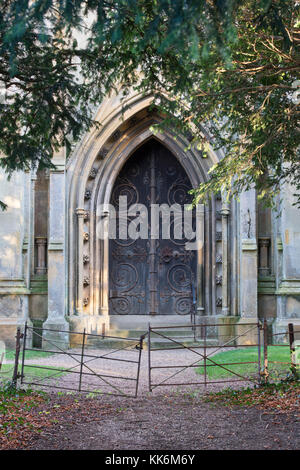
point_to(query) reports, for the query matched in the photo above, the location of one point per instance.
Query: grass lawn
(248, 354)
(6, 372)
(7, 369)
(10, 355)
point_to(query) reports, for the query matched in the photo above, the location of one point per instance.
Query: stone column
(41, 243)
(248, 311)
(200, 256)
(80, 238)
(288, 280)
(104, 266)
(264, 255)
(248, 259)
(56, 265)
(225, 301)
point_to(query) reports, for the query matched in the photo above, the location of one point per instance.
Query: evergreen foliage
(227, 66)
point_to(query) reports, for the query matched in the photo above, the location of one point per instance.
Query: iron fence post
(24, 349)
(1, 360)
(139, 364)
(149, 357)
(259, 352)
(205, 372)
(265, 337)
(81, 359)
(17, 354)
(292, 348)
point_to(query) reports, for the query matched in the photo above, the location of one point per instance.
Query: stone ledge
(39, 286)
(266, 285)
(13, 287)
(279, 244)
(289, 287)
(56, 246)
(249, 244)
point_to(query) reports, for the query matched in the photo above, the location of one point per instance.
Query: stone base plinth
(281, 326)
(55, 334)
(245, 332)
(92, 324)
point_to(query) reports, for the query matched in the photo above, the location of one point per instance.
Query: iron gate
(96, 378)
(203, 346)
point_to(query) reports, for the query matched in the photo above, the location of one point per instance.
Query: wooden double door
(147, 275)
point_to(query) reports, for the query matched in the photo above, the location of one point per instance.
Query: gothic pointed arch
(91, 173)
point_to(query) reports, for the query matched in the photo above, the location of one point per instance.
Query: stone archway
(91, 176)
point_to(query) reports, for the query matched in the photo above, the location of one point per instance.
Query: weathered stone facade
(54, 271)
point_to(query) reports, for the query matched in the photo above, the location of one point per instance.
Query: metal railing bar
(198, 325)
(76, 372)
(82, 391)
(278, 334)
(210, 347)
(278, 362)
(200, 365)
(201, 383)
(78, 354)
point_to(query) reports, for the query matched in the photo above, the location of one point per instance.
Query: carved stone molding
(93, 173)
(219, 259)
(103, 152)
(86, 281)
(133, 121)
(86, 259)
(219, 302)
(86, 236)
(88, 194)
(116, 135)
(85, 301)
(219, 280)
(79, 212)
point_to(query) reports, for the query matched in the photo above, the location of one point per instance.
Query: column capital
(41, 240)
(225, 211)
(80, 212)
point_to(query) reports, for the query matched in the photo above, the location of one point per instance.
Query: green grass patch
(6, 372)
(247, 354)
(10, 355)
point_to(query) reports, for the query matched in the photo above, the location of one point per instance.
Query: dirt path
(169, 418)
(173, 422)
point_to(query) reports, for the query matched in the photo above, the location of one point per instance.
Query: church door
(151, 275)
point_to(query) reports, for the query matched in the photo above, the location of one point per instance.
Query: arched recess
(91, 174)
